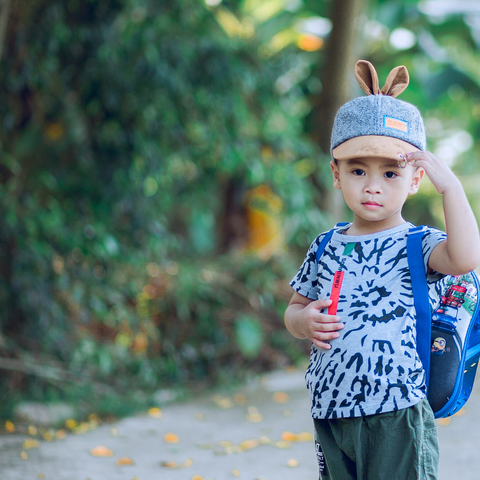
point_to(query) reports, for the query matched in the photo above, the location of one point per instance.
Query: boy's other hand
(437, 170)
(460, 252)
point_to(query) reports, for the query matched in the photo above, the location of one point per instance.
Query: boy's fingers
(332, 326)
(425, 157)
(323, 341)
(324, 345)
(321, 303)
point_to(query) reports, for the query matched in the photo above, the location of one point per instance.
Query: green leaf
(249, 335)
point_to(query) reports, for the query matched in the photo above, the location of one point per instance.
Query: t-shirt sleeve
(431, 238)
(305, 281)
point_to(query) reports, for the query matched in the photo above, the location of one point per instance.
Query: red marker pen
(337, 281)
(335, 294)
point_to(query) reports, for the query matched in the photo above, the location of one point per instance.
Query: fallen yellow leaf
(282, 444)
(32, 430)
(240, 398)
(288, 436)
(265, 440)
(297, 437)
(9, 426)
(171, 438)
(235, 472)
(84, 427)
(304, 437)
(155, 412)
(249, 444)
(197, 477)
(281, 397)
(61, 435)
(172, 464)
(24, 455)
(229, 447)
(443, 421)
(30, 443)
(253, 415)
(41, 475)
(71, 423)
(223, 402)
(292, 463)
(124, 461)
(226, 443)
(101, 451)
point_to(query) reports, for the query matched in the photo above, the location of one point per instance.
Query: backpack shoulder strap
(420, 295)
(327, 237)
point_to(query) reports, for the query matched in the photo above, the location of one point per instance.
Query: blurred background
(165, 165)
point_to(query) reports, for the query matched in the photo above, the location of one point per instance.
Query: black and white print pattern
(373, 366)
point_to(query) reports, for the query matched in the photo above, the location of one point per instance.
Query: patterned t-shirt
(373, 366)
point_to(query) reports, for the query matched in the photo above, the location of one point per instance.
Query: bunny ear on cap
(378, 125)
(397, 81)
(366, 75)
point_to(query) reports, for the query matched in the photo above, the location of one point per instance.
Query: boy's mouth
(371, 204)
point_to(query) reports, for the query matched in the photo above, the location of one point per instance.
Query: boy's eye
(390, 175)
(358, 171)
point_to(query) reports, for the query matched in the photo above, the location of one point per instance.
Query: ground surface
(260, 432)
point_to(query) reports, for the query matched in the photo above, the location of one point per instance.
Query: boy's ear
(336, 174)
(416, 179)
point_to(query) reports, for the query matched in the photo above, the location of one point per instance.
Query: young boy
(366, 381)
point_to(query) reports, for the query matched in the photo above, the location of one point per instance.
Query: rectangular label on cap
(395, 124)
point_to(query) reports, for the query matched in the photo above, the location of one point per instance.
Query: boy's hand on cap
(320, 327)
(437, 170)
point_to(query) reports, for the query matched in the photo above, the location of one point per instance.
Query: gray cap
(378, 124)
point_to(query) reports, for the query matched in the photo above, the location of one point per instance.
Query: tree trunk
(338, 82)
(4, 11)
(337, 78)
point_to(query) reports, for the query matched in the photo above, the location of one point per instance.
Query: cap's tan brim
(372, 146)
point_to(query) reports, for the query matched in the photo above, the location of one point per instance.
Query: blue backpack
(448, 331)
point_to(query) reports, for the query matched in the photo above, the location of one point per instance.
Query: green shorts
(401, 445)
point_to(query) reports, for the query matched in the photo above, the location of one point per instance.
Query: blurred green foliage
(133, 132)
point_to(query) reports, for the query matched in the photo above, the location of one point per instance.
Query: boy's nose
(373, 186)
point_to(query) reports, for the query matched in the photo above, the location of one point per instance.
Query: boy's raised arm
(460, 253)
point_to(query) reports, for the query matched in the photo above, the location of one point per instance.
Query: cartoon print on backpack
(451, 322)
(459, 293)
(439, 346)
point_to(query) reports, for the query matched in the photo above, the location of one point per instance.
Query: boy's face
(375, 189)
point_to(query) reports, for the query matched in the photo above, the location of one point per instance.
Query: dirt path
(260, 432)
